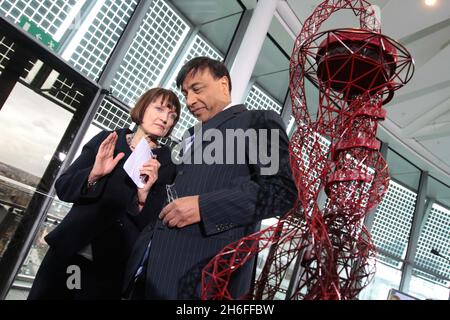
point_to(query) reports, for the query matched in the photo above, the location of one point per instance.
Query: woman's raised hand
(104, 160)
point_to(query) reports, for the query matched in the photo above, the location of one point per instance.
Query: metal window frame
(27, 48)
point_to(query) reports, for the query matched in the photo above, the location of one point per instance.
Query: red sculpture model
(339, 172)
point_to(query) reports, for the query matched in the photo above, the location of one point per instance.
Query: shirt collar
(227, 106)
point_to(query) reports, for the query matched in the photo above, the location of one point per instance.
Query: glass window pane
(385, 279)
(434, 237)
(201, 12)
(105, 16)
(57, 211)
(151, 52)
(392, 221)
(439, 191)
(38, 122)
(111, 117)
(220, 32)
(270, 79)
(257, 99)
(423, 288)
(6, 51)
(216, 19)
(41, 13)
(82, 32)
(28, 144)
(403, 171)
(198, 47)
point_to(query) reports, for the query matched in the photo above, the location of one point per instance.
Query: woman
(89, 248)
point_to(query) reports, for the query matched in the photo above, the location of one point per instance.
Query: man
(224, 189)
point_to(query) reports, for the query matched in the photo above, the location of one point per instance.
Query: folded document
(141, 154)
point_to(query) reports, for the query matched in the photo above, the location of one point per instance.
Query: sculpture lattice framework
(339, 172)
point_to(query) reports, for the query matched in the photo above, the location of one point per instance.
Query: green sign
(38, 33)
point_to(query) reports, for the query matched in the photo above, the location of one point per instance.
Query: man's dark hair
(217, 69)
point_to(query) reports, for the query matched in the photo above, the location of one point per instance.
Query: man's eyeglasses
(171, 193)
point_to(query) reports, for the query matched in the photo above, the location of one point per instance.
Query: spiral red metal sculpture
(339, 173)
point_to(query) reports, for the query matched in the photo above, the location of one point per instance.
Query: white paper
(141, 154)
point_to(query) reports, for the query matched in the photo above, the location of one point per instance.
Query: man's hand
(181, 212)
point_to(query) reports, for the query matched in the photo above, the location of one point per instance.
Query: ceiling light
(430, 2)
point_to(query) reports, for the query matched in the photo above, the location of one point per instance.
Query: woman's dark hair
(137, 113)
(215, 67)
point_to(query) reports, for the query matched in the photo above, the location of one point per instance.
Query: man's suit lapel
(223, 116)
(215, 122)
